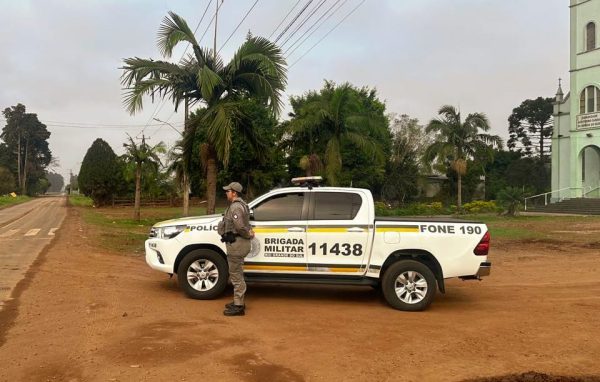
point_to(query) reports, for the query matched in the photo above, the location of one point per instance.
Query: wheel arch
(193, 247)
(421, 256)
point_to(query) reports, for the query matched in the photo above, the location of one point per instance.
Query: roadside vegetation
(115, 229)
(8, 200)
(117, 232)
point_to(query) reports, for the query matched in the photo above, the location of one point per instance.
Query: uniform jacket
(237, 220)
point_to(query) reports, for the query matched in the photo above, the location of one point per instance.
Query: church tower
(576, 136)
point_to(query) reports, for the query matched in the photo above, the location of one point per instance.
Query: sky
(61, 58)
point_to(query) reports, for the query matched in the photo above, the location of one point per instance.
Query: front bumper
(155, 256)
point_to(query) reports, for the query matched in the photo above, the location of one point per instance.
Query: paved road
(25, 230)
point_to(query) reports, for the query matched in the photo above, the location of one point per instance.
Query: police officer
(236, 232)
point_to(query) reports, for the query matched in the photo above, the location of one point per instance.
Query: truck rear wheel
(408, 285)
(203, 274)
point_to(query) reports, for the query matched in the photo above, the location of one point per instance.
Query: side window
(336, 205)
(280, 207)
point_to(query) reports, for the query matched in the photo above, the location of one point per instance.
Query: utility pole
(215, 39)
(186, 165)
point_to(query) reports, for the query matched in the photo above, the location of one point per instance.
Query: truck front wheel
(408, 285)
(202, 274)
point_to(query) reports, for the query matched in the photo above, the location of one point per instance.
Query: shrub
(481, 206)
(7, 181)
(381, 209)
(511, 199)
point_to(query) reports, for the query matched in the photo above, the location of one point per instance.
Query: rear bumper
(485, 269)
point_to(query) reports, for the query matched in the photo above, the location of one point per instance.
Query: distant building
(576, 137)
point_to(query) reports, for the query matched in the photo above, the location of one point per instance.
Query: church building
(576, 136)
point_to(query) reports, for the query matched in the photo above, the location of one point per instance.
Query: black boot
(231, 304)
(235, 310)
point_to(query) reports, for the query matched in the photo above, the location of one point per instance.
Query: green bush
(381, 209)
(434, 208)
(511, 199)
(80, 201)
(437, 208)
(7, 181)
(481, 206)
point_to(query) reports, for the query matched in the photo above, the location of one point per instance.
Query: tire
(203, 274)
(409, 285)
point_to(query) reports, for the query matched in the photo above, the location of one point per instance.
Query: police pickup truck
(329, 235)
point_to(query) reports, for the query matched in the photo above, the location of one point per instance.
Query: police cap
(235, 186)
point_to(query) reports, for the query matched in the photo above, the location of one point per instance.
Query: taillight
(484, 245)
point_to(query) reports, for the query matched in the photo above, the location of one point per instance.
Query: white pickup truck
(326, 235)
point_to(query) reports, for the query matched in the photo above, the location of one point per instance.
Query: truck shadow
(312, 292)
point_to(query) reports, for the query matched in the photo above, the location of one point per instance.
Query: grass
(80, 201)
(7, 200)
(547, 227)
(116, 231)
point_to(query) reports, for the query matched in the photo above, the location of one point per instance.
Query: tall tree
(337, 117)
(256, 70)
(530, 128)
(408, 132)
(404, 165)
(456, 141)
(27, 141)
(142, 154)
(100, 173)
(56, 181)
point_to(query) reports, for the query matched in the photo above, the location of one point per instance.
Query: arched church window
(589, 100)
(590, 33)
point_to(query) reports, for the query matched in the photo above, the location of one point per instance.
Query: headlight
(168, 232)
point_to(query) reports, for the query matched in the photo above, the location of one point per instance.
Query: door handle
(295, 229)
(355, 229)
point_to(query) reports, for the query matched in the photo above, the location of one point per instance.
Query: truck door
(279, 223)
(337, 233)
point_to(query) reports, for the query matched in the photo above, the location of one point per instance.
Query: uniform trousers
(235, 260)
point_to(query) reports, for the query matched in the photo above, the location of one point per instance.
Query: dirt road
(83, 315)
(25, 230)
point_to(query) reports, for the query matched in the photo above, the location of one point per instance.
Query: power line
(48, 122)
(211, 21)
(236, 28)
(327, 34)
(285, 18)
(312, 26)
(197, 26)
(101, 127)
(85, 125)
(293, 20)
(306, 18)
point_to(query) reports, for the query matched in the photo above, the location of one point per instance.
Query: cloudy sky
(61, 58)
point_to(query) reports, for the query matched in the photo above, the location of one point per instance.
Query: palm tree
(141, 154)
(257, 70)
(458, 141)
(335, 117)
(175, 164)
